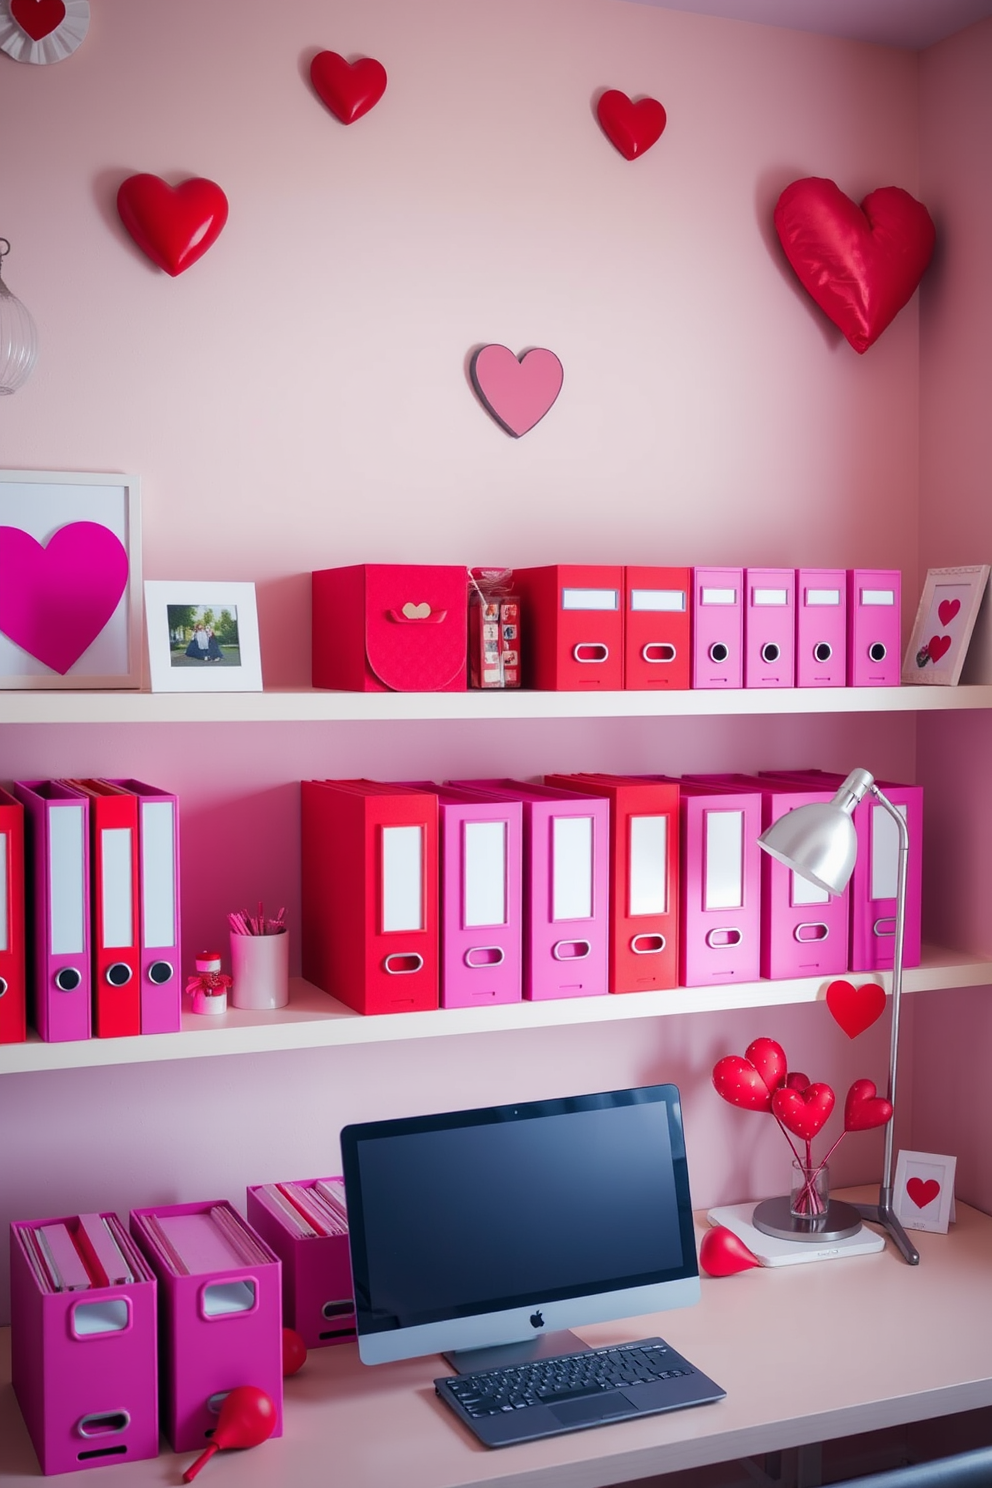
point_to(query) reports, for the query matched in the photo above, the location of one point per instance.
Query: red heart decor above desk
(55, 599)
(631, 127)
(39, 18)
(803, 1112)
(173, 225)
(855, 1008)
(517, 391)
(861, 264)
(349, 89)
(750, 1081)
(922, 1191)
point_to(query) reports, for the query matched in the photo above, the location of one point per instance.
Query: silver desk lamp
(820, 844)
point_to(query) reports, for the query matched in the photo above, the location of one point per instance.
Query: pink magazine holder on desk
(317, 1295)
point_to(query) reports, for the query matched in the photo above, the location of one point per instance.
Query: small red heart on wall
(947, 609)
(39, 18)
(349, 89)
(173, 225)
(855, 1008)
(922, 1192)
(722, 1253)
(938, 646)
(860, 264)
(632, 127)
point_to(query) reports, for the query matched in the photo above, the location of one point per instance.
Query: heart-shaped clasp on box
(414, 613)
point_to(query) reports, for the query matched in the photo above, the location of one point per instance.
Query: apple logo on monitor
(537, 1319)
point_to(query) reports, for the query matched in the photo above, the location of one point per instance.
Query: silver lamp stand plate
(774, 1217)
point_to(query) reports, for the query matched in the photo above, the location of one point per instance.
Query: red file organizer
(769, 627)
(57, 830)
(114, 930)
(220, 1313)
(657, 625)
(370, 894)
(158, 874)
(84, 1362)
(13, 991)
(821, 627)
(644, 878)
(317, 1295)
(717, 627)
(573, 614)
(391, 627)
(874, 627)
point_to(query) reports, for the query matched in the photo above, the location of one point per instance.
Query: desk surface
(805, 1353)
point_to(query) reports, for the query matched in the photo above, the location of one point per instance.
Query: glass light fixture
(18, 336)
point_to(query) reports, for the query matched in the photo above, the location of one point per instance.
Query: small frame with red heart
(923, 1191)
(942, 631)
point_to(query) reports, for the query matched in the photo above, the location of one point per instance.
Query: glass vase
(810, 1193)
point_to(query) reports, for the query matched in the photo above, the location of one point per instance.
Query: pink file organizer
(566, 840)
(769, 627)
(821, 627)
(220, 1313)
(84, 1361)
(717, 627)
(872, 888)
(317, 1294)
(481, 857)
(804, 930)
(874, 627)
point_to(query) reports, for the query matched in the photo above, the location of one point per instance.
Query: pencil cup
(260, 970)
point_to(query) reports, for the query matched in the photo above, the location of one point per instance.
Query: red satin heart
(922, 1192)
(938, 646)
(173, 225)
(39, 18)
(947, 609)
(855, 1008)
(803, 1112)
(349, 89)
(860, 264)
(769, 1060)
(737, 1080)
(632, 127)
(864, 1109)
(722, 1253)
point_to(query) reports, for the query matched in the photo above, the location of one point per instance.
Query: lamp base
(881, 1214)
(774, 1217)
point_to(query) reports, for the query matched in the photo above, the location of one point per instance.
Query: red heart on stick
(922, 1192)
(39, 18)
(947, 609)
(864, 1109)
(803, 1112)
(737, 1080)
(769, 1060)
(861, 264)
(937, 646)
(722, 1253)
(349, 89)
(173, 225)
(632, 127)
(855, 1008)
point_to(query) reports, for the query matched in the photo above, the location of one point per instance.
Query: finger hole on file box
(480, 957)
(648, 945)
(823, 651)
(93, 1319)
(571, 950)
(103, 1423)
(590, 651)
(719, 651)
(877, 651)
(220, 1299)
(658, 651)
(119, 974)
(722, 940)
(770, 651)
(406, 963)
(811, 930)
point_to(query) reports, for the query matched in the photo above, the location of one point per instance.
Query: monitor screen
(470, 1229)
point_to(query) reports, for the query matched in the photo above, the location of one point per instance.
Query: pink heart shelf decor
(38, 18)
(855, 1008)
(861, 264)
(722, 1253)
(517, 391)
(349, 89)
(172, 225)
(633, 127)
(56, 599)
(922, 1191)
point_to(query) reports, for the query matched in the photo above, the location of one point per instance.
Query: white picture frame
(45, 505)
(944, 622)
(180, 619)
(923, 1191)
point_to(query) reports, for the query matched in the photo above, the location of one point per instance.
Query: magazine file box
(317, 1295)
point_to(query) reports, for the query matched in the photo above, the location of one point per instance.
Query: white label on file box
(804, 892)
(884, 852)
(402, 878)
(718, 596)
(658, 601)
(115, 864)
(648, 878)
(158, 873)
(484, 870)
(769, 596)
(571, 868)
(590, 599)
(4, 944)
(878, 596)
(723, 881)
(823, 596)
(66, 883)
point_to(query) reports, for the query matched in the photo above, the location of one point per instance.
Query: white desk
(806, 1353)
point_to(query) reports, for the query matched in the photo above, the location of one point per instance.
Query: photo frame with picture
(923, 1191)
(943, 626)
(202, 636)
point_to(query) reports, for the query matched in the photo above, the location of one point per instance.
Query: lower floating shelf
(313, 1020)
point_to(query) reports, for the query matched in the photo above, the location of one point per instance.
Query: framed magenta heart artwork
(70, 580)
(945, 620)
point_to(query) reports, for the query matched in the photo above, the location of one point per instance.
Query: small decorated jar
(209, 986)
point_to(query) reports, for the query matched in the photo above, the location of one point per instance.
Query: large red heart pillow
(632, 126)
(861, 264)
(349, 89)
(173, 225)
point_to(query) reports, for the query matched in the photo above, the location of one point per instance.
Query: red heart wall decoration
(517, 391)
(860, 264)
(803, 1112)
(938, 646)
(855, 1008)
(722, 1253)
(947, 609)
(38, 18)
(922, 1192)
(349, 89)
(173, 225)
(865, 1109)
(631, 127)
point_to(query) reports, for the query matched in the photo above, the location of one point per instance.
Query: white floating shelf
(313, 1020)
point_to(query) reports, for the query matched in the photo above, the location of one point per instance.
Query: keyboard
(522, 1402)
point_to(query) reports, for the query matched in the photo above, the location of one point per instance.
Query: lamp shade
(819, 841)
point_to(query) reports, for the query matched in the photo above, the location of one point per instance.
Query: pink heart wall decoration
(517, 391)
(55, 599)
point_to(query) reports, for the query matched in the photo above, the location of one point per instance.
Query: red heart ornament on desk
(769, 1060)
(55, 599)
(947, 609)
(861, 264)
(737, 1080)
(803, 1112)
(855, 1008)
(865, 1108)
(922, 1191)
(631, 127)
(173, 225)
(38, 18)
(349, 89)
(722, 1253)
(517, 391)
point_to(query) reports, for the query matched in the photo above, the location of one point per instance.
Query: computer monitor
(472, 1229)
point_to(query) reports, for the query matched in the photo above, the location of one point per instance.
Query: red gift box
(390, 627)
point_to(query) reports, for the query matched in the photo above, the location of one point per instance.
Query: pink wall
(299, 398)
